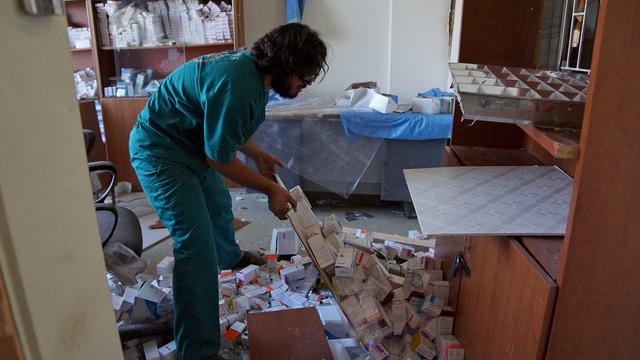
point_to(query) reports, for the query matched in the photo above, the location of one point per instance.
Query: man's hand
(266, 164)
(279, 201)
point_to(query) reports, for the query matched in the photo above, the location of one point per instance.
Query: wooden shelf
(561, 144)
(80, 49)
(167, 46)
(125, 97)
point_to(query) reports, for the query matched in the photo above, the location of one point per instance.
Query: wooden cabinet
(119, 114)
(561, 298)
(505, 306)
(119, 117)
(89, 119)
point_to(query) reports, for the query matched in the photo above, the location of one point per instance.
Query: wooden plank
(483, 156)
(546, 251)
(287, 335)
(119, 116)
(506, 305)
(9, 340)
(534, 148)
(597, 312)
(561, 144)
(238, 24)
(449, 157)
(426, 243)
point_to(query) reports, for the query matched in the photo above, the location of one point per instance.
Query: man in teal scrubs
(187, 137)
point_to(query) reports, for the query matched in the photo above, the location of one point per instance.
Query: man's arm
(265, 161)
(251, 149)
(237, 171)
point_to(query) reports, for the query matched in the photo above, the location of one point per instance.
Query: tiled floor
(254, 208)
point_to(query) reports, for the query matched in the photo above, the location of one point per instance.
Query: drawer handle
(460, 264)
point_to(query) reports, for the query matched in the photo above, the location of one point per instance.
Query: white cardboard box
(449, 348)
(284, 241)
(320, 249)
(151, 350)
(248, 274)
(345, 262)
(426, 105)
(292, 273)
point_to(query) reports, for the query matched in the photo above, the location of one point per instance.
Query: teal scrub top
(209, 106)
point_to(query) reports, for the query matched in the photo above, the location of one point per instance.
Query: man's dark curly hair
(291, 49)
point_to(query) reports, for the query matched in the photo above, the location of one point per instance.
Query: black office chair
(119, 225)
(116, 223)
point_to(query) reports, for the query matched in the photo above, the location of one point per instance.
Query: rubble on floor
(379, 296)
(394, 297)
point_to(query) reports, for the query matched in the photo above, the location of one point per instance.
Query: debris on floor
(275, 286)
(356, 215)
(393, 295)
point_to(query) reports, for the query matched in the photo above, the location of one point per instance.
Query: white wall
(401, 44)
(357, 32)
(261, 16)
(50, 250)
(419, 46)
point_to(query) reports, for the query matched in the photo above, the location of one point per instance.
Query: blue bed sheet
(406, 126)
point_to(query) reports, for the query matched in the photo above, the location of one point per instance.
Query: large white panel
(419, 46)
(491, 200)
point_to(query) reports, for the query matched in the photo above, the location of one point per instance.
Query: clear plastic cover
(307, 135)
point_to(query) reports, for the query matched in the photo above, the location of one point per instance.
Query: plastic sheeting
(317, 149)
(406, 126)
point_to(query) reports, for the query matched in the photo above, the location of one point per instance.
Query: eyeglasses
(308, 79)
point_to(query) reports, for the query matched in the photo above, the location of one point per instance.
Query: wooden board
(287, 335)
(119, 116)
(506, 306)
(561, 144)
(9, 342)
(597, 312)
(484, 156)
(546, 251)
(537, 151)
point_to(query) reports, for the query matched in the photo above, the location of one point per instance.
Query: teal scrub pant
(196, 208)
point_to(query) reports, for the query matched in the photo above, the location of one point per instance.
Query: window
(579, 27)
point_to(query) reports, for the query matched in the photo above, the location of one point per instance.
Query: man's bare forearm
(242, 174)
(251, 149)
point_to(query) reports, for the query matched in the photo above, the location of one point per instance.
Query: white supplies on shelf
(79, 38)
(85, 83)
(163, 22)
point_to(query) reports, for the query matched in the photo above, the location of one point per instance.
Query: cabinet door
(505, 306)
(119, 116)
